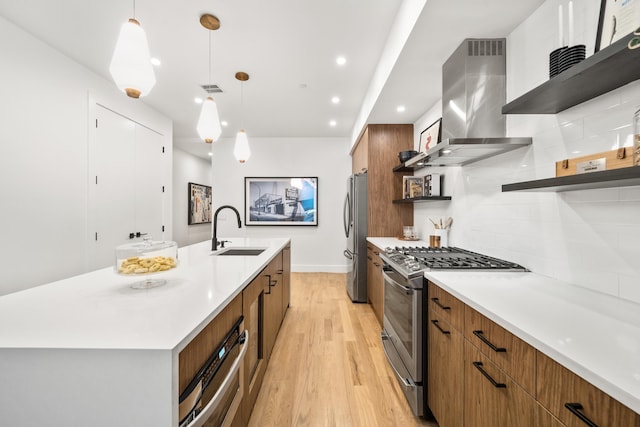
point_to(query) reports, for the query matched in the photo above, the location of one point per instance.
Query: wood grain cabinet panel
(377, 151)
(375, 282)
(544, 418)
(445, 371)
(491, 397)
(446, 305)
(557, 387)
(196, 353)
(510, 353)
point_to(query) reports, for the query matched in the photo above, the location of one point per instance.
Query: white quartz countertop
(594, 335)
(99, 310)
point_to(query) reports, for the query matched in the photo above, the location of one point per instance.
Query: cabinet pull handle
(268, 291)
(376, 264)
(435, 323)
(575, 409)
(376, 252)
(437, 302)
(496, 384)
(369, 258)
(491, 345)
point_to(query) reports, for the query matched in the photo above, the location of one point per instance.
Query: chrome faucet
(214, 240)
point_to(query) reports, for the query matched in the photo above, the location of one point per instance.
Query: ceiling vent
(211, 88)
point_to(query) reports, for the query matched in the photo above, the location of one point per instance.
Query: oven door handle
(403, 380)
(396, 284)
(204, 415)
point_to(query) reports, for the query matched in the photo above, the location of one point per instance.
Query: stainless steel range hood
(473, 93)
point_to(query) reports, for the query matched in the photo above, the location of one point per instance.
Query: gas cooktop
(412, 260)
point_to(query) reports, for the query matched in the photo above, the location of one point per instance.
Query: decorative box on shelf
(607, 160)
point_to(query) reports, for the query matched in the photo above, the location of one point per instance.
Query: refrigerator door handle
(348, 254)
(346, 215)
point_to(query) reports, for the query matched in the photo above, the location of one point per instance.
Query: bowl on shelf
(406, 155)
(146, 260)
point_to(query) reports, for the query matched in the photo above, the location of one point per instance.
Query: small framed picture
(199, 204)
(617, 19)
(430, 136)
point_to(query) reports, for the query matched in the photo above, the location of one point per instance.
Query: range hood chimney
(473, 93)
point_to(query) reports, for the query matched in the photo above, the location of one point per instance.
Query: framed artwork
(199, 204)
(431, 136)
(617, 19)
(281, 201)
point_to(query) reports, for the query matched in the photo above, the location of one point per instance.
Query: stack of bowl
(406, 155)
(571, 56)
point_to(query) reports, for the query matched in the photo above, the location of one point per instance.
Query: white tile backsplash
(590, 238)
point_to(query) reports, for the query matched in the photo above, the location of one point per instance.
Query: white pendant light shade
(209, 122)
(131, 67)
(241, 149)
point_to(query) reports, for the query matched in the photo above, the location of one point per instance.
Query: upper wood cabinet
(377, 152)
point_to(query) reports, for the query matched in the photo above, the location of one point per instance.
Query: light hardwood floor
(328, 367)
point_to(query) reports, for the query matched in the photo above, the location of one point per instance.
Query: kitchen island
(90, 350)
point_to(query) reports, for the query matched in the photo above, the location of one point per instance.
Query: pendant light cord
(242, 104)
(134, 9)
(209, 57)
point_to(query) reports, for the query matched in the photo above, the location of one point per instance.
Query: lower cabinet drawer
(577, 403)
(545, 419)
(446, 305)
(492, 398)
(510, 353)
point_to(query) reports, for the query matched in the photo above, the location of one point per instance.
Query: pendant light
(209, 122)
(131, 66)
(241, 151)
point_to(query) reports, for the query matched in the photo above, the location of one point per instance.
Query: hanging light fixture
(209, 122)
(131, 66)
(241, 149)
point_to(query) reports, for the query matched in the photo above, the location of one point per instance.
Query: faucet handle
(222, 242)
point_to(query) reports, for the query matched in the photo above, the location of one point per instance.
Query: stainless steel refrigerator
(355, 229)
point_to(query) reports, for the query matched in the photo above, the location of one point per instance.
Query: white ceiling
(288, 47)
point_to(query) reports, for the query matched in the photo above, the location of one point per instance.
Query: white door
(127, 183)
(148, 172)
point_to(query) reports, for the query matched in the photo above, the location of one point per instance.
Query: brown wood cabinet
(514, 356)
(377, 152)
(503, 380)
(569, 397)
(273, 290)
(255, 362)
(286, 279)
(445, 372)
(264, 302)
(492, 398)
(375, 283)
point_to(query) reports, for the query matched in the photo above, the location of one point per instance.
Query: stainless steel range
(404, 335)
(413, 261)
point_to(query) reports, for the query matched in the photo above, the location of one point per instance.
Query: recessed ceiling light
(210, 153)
(400, 109)
(156, 62)
(333, 123)
(197, 100)
(341, 60)
(335, 100)
(224, 123)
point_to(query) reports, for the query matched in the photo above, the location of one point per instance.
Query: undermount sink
(241, 251)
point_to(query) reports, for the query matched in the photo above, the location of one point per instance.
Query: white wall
(312, 248)
(589, 237)
(44, 105)
(188, 168)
